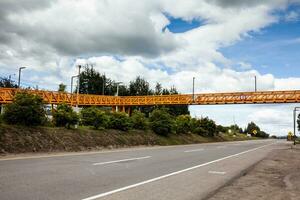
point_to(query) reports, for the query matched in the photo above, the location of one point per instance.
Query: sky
(222, 43)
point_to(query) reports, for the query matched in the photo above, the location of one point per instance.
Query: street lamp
(72, 82)
(78, 85)
(255, 83)
(193, 89)
(117, 94)
(19, 79)
(118, 83)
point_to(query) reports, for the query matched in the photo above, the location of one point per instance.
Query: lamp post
(117, 94)
(78, 85)
(19, 79)
(255, 84)
(193, 89)
(72, 82)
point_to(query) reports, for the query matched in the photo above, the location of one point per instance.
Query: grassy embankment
(21, 139)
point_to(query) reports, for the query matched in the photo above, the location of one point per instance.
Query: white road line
(108, 151)
(171, 174)
(124, 160)
(216, 172)
(193, 150)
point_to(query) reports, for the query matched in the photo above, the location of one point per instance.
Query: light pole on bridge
(19, 79)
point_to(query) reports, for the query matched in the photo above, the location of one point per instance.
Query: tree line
(92, 82)
(28, 110)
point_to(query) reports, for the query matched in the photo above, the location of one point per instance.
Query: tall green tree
(91, 81)
(62, 87)
(177, 110)
(158, 89)
(252, 129)
(26, 109)
(139, 87)
(7, 83)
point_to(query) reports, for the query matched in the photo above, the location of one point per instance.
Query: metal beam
(262, 97)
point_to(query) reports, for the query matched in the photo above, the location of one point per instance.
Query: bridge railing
(50, 97)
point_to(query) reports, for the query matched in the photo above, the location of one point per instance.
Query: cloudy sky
(223, 43)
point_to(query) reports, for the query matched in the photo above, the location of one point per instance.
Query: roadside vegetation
(26, 118)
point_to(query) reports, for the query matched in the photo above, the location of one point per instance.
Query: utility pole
(19, 79)
(193, 89)
(72, 83)
(117, 94)
(255, 84)
(78, 85)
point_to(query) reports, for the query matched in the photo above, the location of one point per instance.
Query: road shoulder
(275, 177)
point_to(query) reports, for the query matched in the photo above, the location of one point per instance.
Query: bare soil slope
(20, 139)
(277, 178)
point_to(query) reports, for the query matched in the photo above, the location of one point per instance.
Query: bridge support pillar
(113, 108)
(2, 109)
(129, 110)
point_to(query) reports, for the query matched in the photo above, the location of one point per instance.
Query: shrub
(139, 121)
(93, 116)
(204, 126)
(161, 122)
(26, 109)
(183, 124)
(120, 121)
(65, 116)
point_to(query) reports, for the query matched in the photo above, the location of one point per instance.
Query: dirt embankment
(19, 139)
(277, 177)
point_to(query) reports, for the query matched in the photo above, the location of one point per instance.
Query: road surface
(173, 172)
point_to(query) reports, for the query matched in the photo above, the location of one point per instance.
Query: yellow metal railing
(50, 97)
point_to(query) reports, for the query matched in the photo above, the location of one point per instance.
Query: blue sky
(274, 49)
(133, 43)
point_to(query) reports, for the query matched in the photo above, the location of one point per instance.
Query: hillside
(21, 139)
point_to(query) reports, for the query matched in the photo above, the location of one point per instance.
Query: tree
(158, 89)
(204, 126)
(62, 87)
(93, 116)
(139, 87)
(139, 121)
(65, 116)
(91, 81)
(161, 122)
(26, 109)
(183, 124)
(298, 122)
(120, 121)
(176, 110)
(252, 129)
(7, 83)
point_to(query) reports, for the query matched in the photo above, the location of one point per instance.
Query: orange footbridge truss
(262, 97)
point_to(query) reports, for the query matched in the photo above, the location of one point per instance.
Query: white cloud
(291, 16)
(51, 37)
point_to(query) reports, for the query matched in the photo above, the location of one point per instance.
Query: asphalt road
(174, 172)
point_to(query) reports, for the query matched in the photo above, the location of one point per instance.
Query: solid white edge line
(171, 174)
(123, 160)
(193, 150)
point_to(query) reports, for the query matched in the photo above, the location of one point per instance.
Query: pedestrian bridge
(261, 97)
